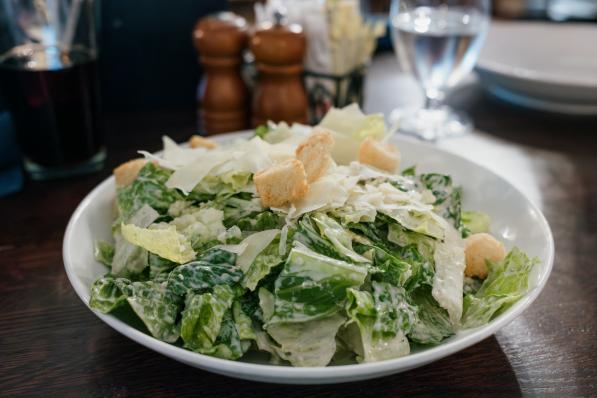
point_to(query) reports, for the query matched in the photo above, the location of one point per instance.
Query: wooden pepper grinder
(279, 94)
(223, 95)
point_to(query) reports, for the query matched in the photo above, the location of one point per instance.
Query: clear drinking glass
(49, 82)
(438, 41)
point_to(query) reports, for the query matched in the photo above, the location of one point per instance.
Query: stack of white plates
(542, 65)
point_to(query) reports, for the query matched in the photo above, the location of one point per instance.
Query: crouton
(314, 152)
(477, 249)
(126, 173)
(197, 141)
(379, 155)
(282, 183)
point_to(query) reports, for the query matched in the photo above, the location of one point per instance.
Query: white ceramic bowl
(547, 66)
(515, 220)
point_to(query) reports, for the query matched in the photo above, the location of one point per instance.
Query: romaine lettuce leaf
(159, 266)
(432, 323)
(262, 265)
(398, 265)
(266, 303)
(129, 259)
(338, 236)
(148, 189)
(447, 197)
(379, 322)
(403, 237)
(260, 222)
(106, 296)
(474, 222)
(201, 323)
(243, 322)
(200, 226)
(215, 267)
(417, 220)
(165, 242)
(507, 282)
(311, 343)
(308, 234)
(104, 252)
(312, 286)
(237, 208)
(156, 307)
(224, 184)
(254, 245)
(202, 319)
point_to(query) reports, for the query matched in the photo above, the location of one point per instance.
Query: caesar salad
(311, 244)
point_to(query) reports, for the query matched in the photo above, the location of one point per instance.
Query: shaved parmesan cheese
(328, 192)
(180, 156)
(247, 250)
(236, 249)
(160, 161)
(187, 177)
(449, 274)
(254, 245)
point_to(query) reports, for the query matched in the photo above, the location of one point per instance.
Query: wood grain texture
(52, 345)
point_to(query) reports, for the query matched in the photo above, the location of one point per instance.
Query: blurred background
(148, 62)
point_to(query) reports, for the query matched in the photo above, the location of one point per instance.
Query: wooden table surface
(52, 345)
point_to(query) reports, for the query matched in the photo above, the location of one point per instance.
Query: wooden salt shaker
(279, 94)
(223, 95)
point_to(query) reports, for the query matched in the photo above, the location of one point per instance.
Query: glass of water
(438, 41)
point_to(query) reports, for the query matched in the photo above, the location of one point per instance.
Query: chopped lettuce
(379, 322)
(214, 268)
(153, 304)
(104, 252)
(309, 235)
(262, 265)
(227, 183)
(364, 265)
(313, 286)
(432, 323)
(260, 222)
(338, 236)
(165, 242)
(156, 307)
(106, 296)
(262, 130)
(474, 222)
(129, 259)
(507, 282)
(200, 226)
(148, 189)
(310, 343)
(447, 196)
(203, 317)
(253, 245)
(159, 266)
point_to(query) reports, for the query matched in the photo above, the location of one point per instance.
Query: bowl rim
(311, 375)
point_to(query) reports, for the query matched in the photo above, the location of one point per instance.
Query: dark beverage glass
(50, 86)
